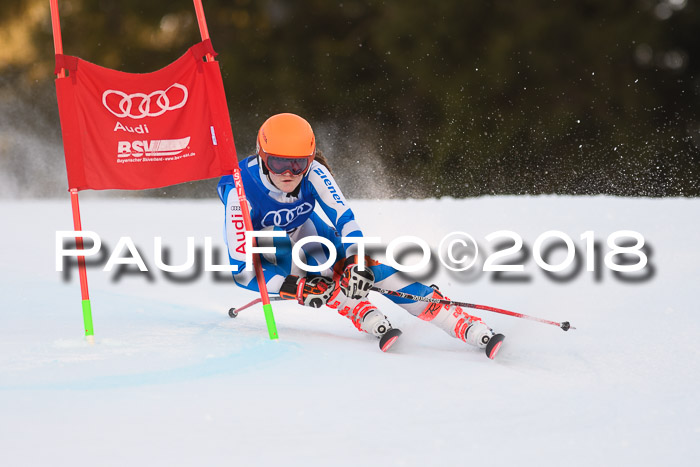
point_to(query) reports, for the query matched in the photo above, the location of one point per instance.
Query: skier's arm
(334, 204)
(234, 228)
(354, 283)
(236, 243)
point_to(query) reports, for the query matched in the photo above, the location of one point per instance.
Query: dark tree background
(408, 98)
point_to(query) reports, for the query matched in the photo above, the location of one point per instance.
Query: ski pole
(233, 312)
(563, 325)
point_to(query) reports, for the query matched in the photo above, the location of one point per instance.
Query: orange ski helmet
(285, 143)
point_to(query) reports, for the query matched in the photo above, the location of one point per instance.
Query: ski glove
(355, 283)
(310, 291)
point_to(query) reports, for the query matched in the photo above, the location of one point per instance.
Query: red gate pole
(85, 295)
(259, 275)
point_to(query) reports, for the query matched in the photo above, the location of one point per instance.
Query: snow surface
(172, 380)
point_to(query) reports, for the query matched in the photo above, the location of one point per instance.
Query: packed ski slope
(172, 380)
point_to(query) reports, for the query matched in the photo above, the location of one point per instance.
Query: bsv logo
(156, 147)
(284, 217)
(140, 105)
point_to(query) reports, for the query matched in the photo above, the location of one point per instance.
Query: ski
(388, 339)
(494, 345)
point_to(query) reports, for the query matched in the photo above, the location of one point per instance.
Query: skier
(283, 182)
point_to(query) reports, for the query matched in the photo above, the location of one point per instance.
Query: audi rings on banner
(139, 105)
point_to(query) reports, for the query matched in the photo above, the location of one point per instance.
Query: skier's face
(287, 182)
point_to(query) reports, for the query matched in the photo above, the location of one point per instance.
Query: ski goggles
(280, 165)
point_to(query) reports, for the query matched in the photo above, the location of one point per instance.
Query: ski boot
(375, 323)
(366, 318)
(460, 324)
(483, 337)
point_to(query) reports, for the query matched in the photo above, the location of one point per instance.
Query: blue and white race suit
(271, 208)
